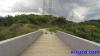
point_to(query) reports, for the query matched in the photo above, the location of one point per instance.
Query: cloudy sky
(74, 10)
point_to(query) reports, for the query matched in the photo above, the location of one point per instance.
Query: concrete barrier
(14, 46)
(77, 43)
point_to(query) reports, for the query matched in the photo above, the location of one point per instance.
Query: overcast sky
(74, 10)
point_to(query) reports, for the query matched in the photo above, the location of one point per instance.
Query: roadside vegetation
(21, 24)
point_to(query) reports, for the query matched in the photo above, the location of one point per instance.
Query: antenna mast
(50, 6)
(44, 3)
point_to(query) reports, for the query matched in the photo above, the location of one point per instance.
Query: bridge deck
(47, 45)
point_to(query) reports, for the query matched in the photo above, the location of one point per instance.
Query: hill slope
(21, 24)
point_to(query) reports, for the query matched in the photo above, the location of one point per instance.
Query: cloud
(74, 10)
(27, 6)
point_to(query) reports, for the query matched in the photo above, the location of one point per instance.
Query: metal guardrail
(15, 46)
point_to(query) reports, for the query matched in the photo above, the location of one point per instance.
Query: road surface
(47, 45)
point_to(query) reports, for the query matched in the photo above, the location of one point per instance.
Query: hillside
(20, 24)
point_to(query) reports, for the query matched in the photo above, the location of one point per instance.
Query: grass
(15, 30)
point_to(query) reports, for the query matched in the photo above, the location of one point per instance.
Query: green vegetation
(21, 24)
(88, 30)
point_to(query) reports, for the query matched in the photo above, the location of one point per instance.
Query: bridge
(46, 43)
